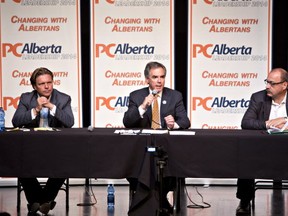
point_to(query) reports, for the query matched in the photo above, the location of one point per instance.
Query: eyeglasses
(271, 83)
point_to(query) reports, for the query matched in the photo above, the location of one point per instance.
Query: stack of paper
(179, 132)
(274, 130)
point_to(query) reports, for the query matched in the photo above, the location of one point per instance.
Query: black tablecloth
(227, 154)
(77, 152)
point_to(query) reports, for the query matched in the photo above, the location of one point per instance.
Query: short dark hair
(38, 72)
(151, 65)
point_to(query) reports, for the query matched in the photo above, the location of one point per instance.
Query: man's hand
(44, 102)
(148, 101)
(169, 121)
(276, 123)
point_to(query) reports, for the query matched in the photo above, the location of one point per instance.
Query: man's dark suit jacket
(63, 116)
(258, 111)
(171, 104)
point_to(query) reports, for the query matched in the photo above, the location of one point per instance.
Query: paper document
(278, 130)
(127, 132)
(46, 129)
(18, 129)
(179, 132)
(151, 131)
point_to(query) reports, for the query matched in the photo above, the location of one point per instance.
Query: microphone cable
(195, 205)
(89, 194)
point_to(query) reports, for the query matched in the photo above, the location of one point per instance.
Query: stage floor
(221, 198)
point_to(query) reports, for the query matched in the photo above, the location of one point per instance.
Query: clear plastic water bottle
(2, 119)
(44, 117)
(111, 196)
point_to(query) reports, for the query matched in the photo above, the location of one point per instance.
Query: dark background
(279, 47)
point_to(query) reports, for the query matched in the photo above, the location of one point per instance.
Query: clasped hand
(43, 102)
(169, 121)
(276, 123)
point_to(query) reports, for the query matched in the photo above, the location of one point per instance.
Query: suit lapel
(52, 98)
(267, 107)
(163, 107)
(149, 109)
(287, 104)
(34, 99)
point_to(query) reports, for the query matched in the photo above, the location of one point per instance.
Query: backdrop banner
(39, 34)
(229, 58)
(125, 36)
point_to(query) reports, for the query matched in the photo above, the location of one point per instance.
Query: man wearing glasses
(267, 109)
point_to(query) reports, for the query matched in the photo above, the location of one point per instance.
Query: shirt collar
(282, 102)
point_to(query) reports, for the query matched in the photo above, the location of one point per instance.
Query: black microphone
(154, 92)
(90, 128)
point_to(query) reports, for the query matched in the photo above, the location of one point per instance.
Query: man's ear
(147, 81)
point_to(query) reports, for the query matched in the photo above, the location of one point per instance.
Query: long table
(74, 152)
(227, 154)
(101, 153)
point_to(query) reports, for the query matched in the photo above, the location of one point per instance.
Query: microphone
(90, 128)
(154, 92)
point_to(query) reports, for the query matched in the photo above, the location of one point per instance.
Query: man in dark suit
(173, 114)
(267, 109)
(28, 115)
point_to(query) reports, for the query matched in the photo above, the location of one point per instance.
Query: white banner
(125, 36)
(229, 58)
(39, 34)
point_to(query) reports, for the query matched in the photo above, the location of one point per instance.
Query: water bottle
(2, 119)
(110, 196)
(44, 117)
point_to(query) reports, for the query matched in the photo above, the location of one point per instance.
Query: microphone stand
(161, 163)
(87, 185)
(86, 195)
